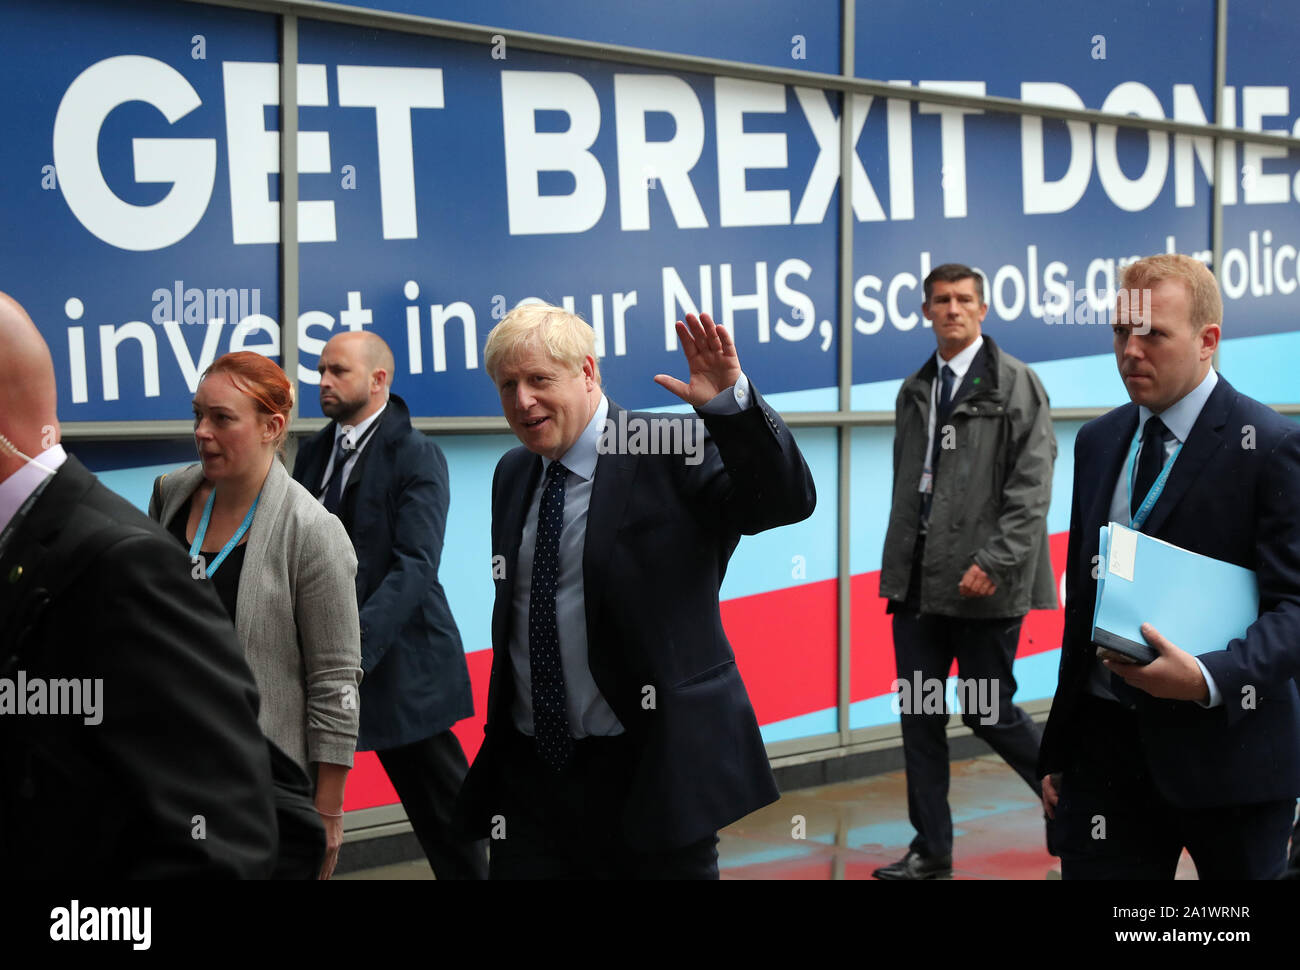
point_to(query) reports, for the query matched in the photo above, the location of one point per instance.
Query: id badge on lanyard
(927, 473)
(1158, 486)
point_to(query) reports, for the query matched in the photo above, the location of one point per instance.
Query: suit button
(15, 574)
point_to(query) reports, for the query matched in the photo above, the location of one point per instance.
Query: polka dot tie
(550, 710)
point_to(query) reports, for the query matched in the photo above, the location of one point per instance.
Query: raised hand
(712, 359)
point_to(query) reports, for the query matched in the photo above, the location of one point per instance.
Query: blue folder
(1197, 603)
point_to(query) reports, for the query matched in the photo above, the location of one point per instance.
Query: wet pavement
(846, 830)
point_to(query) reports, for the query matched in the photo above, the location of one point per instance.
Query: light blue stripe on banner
(803, 726)
(1035, 680)
(136, 484)
(1259, 366)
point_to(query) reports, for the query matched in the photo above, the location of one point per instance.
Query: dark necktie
(334, 489)
(946, 380)
(550, 709)
(942, 412)
(1150, 461)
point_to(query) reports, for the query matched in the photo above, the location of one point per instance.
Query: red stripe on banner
(368, 785)
(785, 648)
(785, 643)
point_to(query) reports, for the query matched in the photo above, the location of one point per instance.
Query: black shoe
(916, 866)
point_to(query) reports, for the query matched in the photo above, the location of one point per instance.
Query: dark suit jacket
(179, 736)
(394, 507)
(1232, 495)
(659, 535)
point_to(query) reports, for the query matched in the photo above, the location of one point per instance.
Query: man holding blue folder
(1138, 761)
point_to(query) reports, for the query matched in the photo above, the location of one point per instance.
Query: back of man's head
(28, 399)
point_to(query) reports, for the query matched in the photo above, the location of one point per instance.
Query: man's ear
(925, 310)
(1210, 339)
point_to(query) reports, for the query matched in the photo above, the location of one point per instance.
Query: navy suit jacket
(1234, 495)
(659, 535)
(394, 507)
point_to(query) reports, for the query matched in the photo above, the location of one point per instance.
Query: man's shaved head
(373, 350)
(352, 386)
(28, 399)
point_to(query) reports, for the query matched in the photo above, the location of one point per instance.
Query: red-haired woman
(281, 564)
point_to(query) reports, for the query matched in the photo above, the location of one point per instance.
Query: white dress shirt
(356, 433)
(959, 364)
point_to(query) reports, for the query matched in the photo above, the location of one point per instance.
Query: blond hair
(565, 337)
(1204, 305)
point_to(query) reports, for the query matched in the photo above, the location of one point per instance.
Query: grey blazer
(296, 615)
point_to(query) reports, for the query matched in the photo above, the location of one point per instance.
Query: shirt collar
(15, 489)
(581, 456)
(1180, 417)
(961, 362)
(358, 429)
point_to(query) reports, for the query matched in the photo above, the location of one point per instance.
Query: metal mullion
(844, 454)
(1216, 188)
(289, 211)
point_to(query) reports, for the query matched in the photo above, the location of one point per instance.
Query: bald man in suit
(168, 776)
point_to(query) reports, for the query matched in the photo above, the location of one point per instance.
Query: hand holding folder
(1196, 602)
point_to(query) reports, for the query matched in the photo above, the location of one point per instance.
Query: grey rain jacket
(991, 493)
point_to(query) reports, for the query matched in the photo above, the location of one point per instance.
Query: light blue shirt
(1178, 418)
(589, 713)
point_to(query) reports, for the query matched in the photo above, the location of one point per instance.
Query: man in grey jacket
(966, 552)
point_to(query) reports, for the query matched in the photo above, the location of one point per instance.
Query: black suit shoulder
(175, 747)
(417, 452)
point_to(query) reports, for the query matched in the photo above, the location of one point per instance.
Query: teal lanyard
(197, 544)
(1157, 486)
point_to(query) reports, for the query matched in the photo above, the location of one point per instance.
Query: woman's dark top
(226, 580)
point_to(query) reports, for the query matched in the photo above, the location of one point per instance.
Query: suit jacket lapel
(1205, 439)
(517, 479)
(1109, 463)
(512, 508)
(177, 487)
(274, 490)
(31, 539)
(315, 453)
(379, 441)
(610, 492)
(978, 370)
